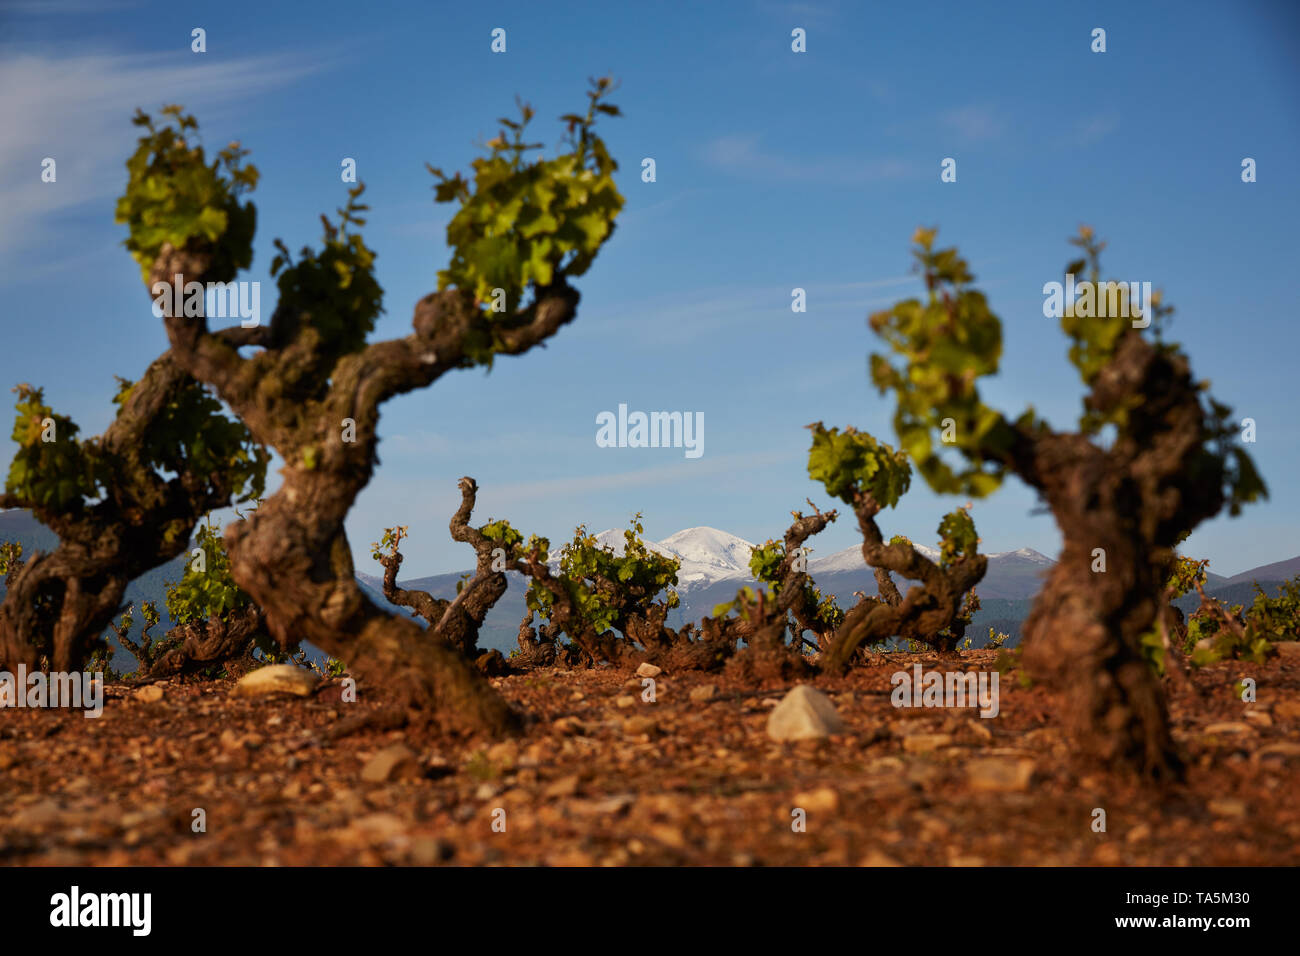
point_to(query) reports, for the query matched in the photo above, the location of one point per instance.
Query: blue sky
(775, 170)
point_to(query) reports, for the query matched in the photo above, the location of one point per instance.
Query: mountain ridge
(712, 573)
(714, 566)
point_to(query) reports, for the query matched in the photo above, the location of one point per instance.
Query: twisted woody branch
(783, 567)
(612, 607)
(1121, 506)
(935, 612)
(121, 504)
(314, 389)
(456, 622)
(869, 475)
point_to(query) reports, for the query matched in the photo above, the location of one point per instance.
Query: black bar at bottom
(734, 905)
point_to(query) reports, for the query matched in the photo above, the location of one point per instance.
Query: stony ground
(692, 778)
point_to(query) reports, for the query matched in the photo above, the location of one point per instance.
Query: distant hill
(1242, 592)
(19, 525)
(714, 566)
(1277, 571)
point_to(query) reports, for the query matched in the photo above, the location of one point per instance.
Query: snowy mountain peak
(722, 553)
(850, 559)
(613, 538)
(708, 555)
(1027, 554)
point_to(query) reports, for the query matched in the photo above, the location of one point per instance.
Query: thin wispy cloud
(882, 91)
(745, 156)
(75, 110)
(636, 215)
(423, 446)
(1093, 129)
(801, 14)
(48, 8)
(674, 320)
(975, 124)
(564, 489)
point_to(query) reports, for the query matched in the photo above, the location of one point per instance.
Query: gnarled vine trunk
(58, 604)
(793, 599)
(459, 620)
(930, 613)
(296, 564)
(1127, 505)
(193, 647)
(292, 555)
(1083, 636)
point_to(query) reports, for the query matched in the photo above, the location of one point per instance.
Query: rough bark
(930, 613)
(144, 651)
(196, 646)
(1133, 501)
(793, 599)
(886, 589)
(686, 648)
(423, 603)
(765, 656)
(59, 603)
(463, 617)
(535, 649)
(566, 618)
(457, 622)
(292, 555)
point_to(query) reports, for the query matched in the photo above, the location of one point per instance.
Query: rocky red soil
(692, 778)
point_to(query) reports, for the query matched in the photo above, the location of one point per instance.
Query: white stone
(805, 714)
(1000, 774)
(277, 679)
(389, 764)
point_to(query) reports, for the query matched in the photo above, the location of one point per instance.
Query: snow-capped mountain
(711, 557)
(1028, 554)
(715, 565)
(706, 554)
(850, 559)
